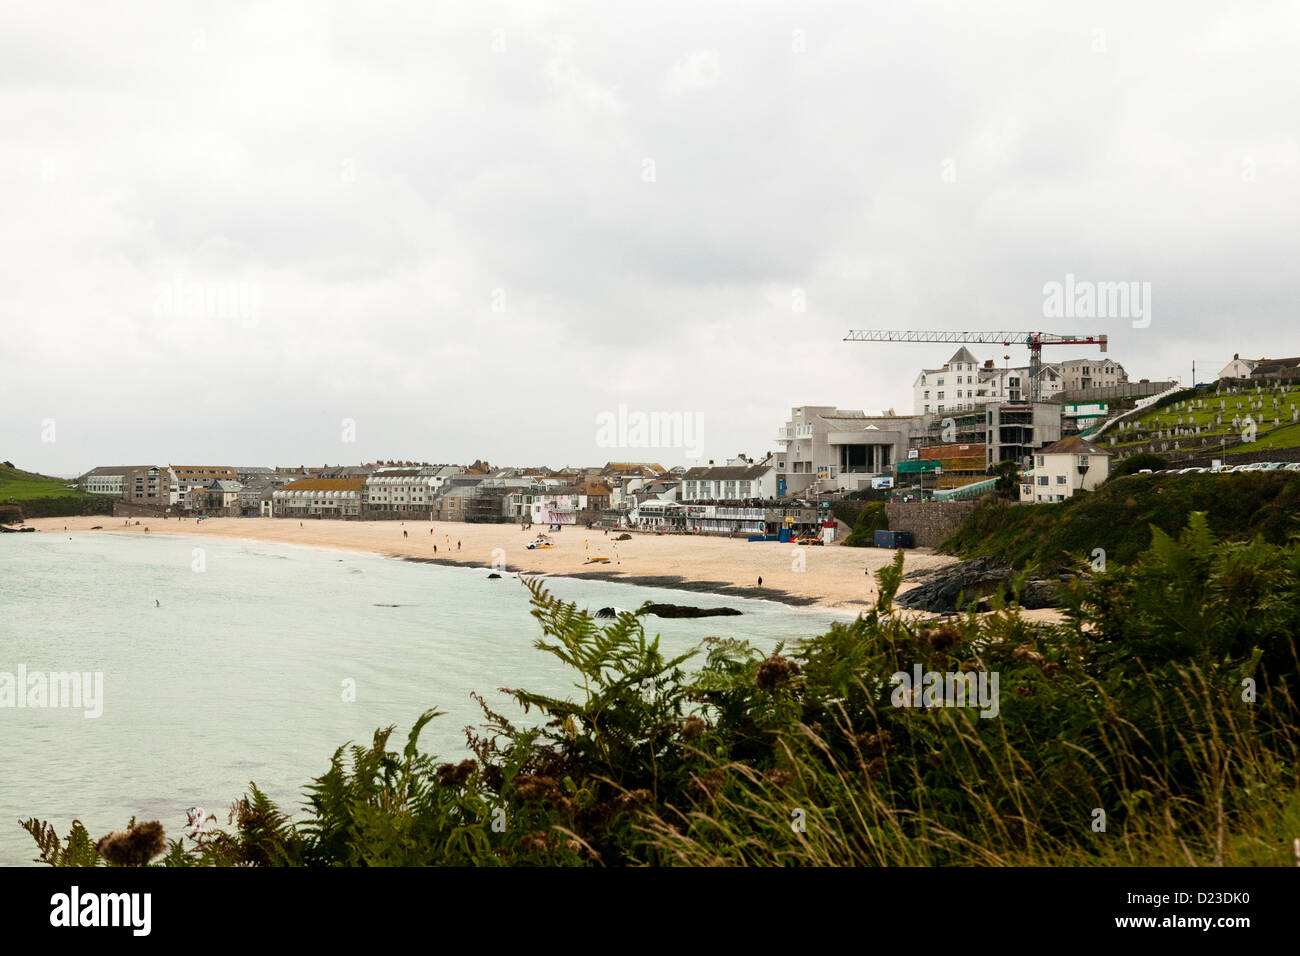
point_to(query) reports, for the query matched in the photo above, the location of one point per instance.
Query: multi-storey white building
(730, 482)
(963, 383)
(1063, 468)
(399, 491)
(825, 448)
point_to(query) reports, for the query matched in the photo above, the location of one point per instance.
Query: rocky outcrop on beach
(685, 610)
(937, 590)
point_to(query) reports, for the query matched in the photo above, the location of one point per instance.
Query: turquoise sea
(237, 671)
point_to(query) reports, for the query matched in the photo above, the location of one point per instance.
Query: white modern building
(964, 383)
(824, 448)
(730, 482)
(1070, 465)
(401, 491)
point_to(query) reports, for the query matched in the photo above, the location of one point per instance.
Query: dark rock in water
(684, 610)
(493, 575)
(609, 613)
(624, 537)
(939, 589)
(99, 527)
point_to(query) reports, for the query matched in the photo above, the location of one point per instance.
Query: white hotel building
(405, 491)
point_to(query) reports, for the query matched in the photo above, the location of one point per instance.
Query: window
(941, 394)
(1083, 461)
(1042, 479)
(939, 382)
(1060, 479)
(1039, 461)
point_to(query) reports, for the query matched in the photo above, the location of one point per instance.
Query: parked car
(1193, 471)
(1294, 466)
(1145, 471)
(1270, 465)
(538, 543)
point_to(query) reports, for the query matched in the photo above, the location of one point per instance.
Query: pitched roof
(963, 354)
(727, 473)
(1074, 445)
(1268, 366)
(113, 470)
(326, 484)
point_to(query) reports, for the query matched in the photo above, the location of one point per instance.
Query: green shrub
(1165, 700)
(871, 518)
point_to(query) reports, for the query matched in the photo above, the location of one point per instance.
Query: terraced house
(189, 477)
(319, 498)
(400, 493)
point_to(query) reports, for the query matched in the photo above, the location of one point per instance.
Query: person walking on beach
(760, 580)
(457, 545)
(404, 534)
(435, 549)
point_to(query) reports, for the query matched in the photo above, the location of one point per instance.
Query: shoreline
(828, 578)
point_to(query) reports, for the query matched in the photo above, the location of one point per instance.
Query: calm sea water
(237, 673)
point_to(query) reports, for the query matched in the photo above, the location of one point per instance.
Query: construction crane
(1034, 341)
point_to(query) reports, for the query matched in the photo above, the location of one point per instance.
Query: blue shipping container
(893, 539)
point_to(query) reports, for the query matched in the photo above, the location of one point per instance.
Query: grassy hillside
(1118, 516)
(1213, 413)
(42, 496)
(18, 485)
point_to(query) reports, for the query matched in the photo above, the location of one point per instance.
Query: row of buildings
(969, 417)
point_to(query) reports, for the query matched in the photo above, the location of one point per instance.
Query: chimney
(988, 363)
(1235, 356)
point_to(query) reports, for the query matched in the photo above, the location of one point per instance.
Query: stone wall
(129, 509)
(929, 522)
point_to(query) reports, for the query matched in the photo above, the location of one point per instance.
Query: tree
(1008, 483)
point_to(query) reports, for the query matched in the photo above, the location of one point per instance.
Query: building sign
(882, 483)
(913, 453)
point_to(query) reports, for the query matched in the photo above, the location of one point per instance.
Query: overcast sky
(227, 231)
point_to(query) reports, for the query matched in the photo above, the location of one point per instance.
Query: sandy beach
(831, 576)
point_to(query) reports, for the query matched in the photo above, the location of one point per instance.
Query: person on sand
(760, 580)
(404, 534)
(457, 545)
(435, 549)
